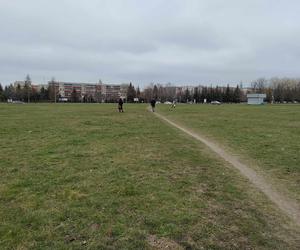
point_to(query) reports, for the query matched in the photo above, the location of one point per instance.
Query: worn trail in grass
(267, 136)
(288, 206)
(74, 176)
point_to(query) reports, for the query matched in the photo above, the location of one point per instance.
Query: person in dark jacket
(153, 102)
(120, 105)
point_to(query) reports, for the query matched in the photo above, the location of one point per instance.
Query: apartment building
(97, 92)
(110, 93)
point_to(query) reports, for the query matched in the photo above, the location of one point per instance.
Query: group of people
(152, 103)
(121, 110)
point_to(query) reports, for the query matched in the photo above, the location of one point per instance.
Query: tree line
(198, 94)
(277, 90)
(23, 93)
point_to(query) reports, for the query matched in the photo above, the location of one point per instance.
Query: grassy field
(76, 176)
(268, 135)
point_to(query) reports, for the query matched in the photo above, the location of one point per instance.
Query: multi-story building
(65, 89)
(123, 90)
(110, 93)
(98, 92)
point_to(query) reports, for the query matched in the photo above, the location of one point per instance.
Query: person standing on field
(173, 105)
(153, 102)
(120, 105)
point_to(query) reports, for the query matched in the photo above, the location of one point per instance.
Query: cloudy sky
(187, 41)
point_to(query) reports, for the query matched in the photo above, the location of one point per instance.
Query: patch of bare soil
(162, 243)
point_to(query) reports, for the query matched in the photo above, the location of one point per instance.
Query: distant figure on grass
(173, 105)
(120, 105)
(153, 105)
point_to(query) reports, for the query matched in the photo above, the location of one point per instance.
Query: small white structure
(63, 99)
(256, 99)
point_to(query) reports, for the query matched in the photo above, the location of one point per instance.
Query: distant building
(245, 91)
(191, 89)
(110, 93)
(38, 87)
(170, 92)
(256, 99)
(123, 90)
(97, 92)
(19, 83)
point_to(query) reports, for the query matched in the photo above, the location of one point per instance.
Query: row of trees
(133, 93)
(193, 94)
(25, 94)
(276, 90)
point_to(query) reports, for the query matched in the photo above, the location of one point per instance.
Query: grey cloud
(166, 41)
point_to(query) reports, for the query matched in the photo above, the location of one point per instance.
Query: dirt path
(288, 206)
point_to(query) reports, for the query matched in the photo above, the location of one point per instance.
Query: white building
(99, 92)
(256, 99)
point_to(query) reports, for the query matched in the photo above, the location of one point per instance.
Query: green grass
(75, 176)
(267, 135)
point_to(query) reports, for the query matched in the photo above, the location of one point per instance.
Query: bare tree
(259, 85)
(53, 90)
(27, 87)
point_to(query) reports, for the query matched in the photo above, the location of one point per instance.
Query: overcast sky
(187, 41)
